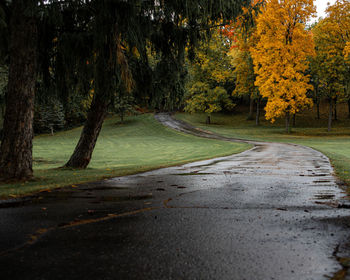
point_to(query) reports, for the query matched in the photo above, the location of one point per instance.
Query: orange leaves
(280, 56)
(242, 28)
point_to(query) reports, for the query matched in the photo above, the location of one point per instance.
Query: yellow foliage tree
(332, 36)
(240, 33)
(347, 50)
(280, 57)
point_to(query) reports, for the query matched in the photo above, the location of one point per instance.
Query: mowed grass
(308, 132)
(138, 145)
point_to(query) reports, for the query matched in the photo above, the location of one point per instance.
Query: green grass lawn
(140, 144)
(308, 131)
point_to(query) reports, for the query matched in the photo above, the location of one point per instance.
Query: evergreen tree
(82, 41)
(169, 25)
(16, 145)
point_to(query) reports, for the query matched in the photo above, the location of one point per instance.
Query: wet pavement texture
(273, 212)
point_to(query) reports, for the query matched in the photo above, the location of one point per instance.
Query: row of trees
(97, 48)
(277, 58)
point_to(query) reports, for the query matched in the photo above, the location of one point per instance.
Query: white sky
(321, 7)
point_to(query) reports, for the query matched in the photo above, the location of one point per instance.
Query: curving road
(272, 212)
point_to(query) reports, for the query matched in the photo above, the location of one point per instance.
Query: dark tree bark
(318, 109)
(330, 114)
(105, 86)
(335, 109)
(208, 121)
(348, 108)
(16, 145)
(83, 151)
(287, 122)
(257, 118)
(294, 119)
(251, 108)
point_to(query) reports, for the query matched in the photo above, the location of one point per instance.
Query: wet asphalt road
(268, 213)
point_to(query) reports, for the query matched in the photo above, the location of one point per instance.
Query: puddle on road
(324, 196)
(192, 174)
(102, 188)
(122, 198)
(321, 181)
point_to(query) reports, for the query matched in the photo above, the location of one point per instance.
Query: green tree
(49, 116)
(201, 98)
(210, 77)
(124, 103)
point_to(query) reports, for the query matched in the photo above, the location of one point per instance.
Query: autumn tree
(241, 36)
(332, 35)
(347, 50)
(318, 91)
(280, 57)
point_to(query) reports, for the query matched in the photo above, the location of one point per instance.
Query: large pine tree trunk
(16, 145)
(83, 151)
(330, 114)
(105, 71)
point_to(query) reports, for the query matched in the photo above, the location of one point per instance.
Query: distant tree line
(274, 58)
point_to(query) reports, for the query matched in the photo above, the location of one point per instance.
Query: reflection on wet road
(272, 212)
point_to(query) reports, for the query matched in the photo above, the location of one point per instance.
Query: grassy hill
(140, 144)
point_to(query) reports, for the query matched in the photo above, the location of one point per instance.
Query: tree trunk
(287, 122)
(294, 119)
(16, 146)
(335, 110)
(330, 114)
(257, 118)
(82, 154)
(208, 121)
(105, 86)
(251, 109)
(348, 108)
(318, 109)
